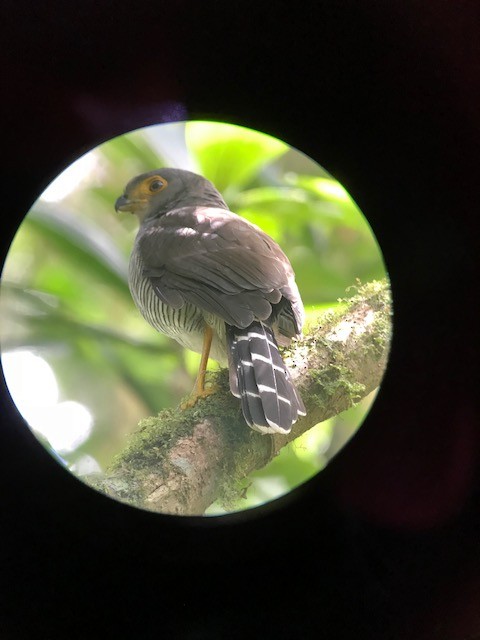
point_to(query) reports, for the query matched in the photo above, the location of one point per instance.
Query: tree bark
(179, 462)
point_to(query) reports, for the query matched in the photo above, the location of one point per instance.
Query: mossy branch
(180, 462)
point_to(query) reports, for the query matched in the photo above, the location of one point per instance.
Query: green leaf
(131, 149)
(271, 195)
(88, 247)
(341, 204)
(228, 155)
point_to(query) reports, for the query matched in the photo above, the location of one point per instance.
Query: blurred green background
(82, 365)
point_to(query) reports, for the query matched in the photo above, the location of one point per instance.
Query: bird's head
(153, 194)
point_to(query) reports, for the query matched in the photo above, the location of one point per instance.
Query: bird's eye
(156, 185)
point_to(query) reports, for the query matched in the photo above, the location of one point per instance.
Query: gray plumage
(196, 264)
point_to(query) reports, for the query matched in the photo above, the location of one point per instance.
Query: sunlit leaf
(331, 191)
(228, 155)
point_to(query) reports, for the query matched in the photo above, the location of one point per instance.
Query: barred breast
(185, 325)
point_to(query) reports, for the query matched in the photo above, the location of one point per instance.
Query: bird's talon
(191, 401)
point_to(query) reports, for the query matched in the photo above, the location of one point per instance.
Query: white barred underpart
(270, 402)
(185, 325)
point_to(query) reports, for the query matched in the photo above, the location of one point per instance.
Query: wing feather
(216, 260)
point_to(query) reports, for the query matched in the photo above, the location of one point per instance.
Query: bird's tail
(260, 378)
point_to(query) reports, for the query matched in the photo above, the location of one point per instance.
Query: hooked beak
(124, 204)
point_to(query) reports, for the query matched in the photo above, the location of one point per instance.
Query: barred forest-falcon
(218, 285)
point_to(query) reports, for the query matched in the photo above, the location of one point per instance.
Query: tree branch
(180, 462)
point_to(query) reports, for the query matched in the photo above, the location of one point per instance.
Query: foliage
(65, 294)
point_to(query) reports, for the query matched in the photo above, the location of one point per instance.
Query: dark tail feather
(260, 378)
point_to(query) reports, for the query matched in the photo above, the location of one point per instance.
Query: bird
(218, 285)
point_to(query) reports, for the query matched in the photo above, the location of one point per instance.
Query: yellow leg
(199, 390)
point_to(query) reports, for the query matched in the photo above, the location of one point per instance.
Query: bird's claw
(196, 394)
